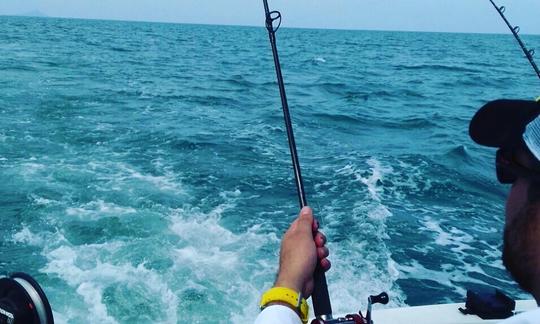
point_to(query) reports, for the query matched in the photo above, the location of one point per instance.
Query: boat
(439, 314)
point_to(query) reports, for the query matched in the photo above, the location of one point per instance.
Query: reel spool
(22, 301)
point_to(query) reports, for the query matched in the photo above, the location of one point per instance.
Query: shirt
(278, 314)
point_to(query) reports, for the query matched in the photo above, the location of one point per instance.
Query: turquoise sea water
(145, 175)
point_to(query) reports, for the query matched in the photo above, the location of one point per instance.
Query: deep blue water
(145, 175)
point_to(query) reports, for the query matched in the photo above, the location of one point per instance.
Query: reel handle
(381, 298)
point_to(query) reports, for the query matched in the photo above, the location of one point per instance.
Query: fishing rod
(270, 18)
(529, 53)
(320, 297)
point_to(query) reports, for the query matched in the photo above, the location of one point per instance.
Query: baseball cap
(508, 124)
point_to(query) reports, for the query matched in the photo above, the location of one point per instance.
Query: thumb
(305, 220)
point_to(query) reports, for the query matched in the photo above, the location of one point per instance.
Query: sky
(410, 15)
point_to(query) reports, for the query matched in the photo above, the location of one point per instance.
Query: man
(513, 126)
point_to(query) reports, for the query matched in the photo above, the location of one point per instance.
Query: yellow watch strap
(289, 297)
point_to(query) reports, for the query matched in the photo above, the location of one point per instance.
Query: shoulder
(530, 317)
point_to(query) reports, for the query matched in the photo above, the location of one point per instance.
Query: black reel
(381, 298)
(22, 301)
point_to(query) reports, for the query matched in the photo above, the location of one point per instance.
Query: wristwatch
(289, 297)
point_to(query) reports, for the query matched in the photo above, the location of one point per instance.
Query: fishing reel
(22, 301)
(356, 318)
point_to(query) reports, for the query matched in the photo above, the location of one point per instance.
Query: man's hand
(301, 248)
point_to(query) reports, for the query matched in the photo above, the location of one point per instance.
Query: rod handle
(320, 296)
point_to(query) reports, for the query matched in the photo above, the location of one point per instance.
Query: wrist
(289, 282)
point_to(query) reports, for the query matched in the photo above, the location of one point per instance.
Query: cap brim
(501, 123)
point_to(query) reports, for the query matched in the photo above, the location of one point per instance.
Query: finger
(320, 239)
(315, 226)
(325, 264)
(322, 252)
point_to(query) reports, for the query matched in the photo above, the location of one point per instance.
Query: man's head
(513, 126)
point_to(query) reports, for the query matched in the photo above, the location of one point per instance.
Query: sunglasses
(509, 169)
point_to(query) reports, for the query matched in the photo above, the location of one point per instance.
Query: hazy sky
(417, 15)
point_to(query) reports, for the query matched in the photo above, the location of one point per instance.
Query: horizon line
(45, 16)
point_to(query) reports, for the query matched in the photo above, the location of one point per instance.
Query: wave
(409, 123)
(460, 152)
(437, 67)
(19, 68)
(190, 145)
(316, 60)
(334, 117)
(239, 80)
(120, 49)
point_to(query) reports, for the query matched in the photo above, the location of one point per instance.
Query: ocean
(145, 173)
